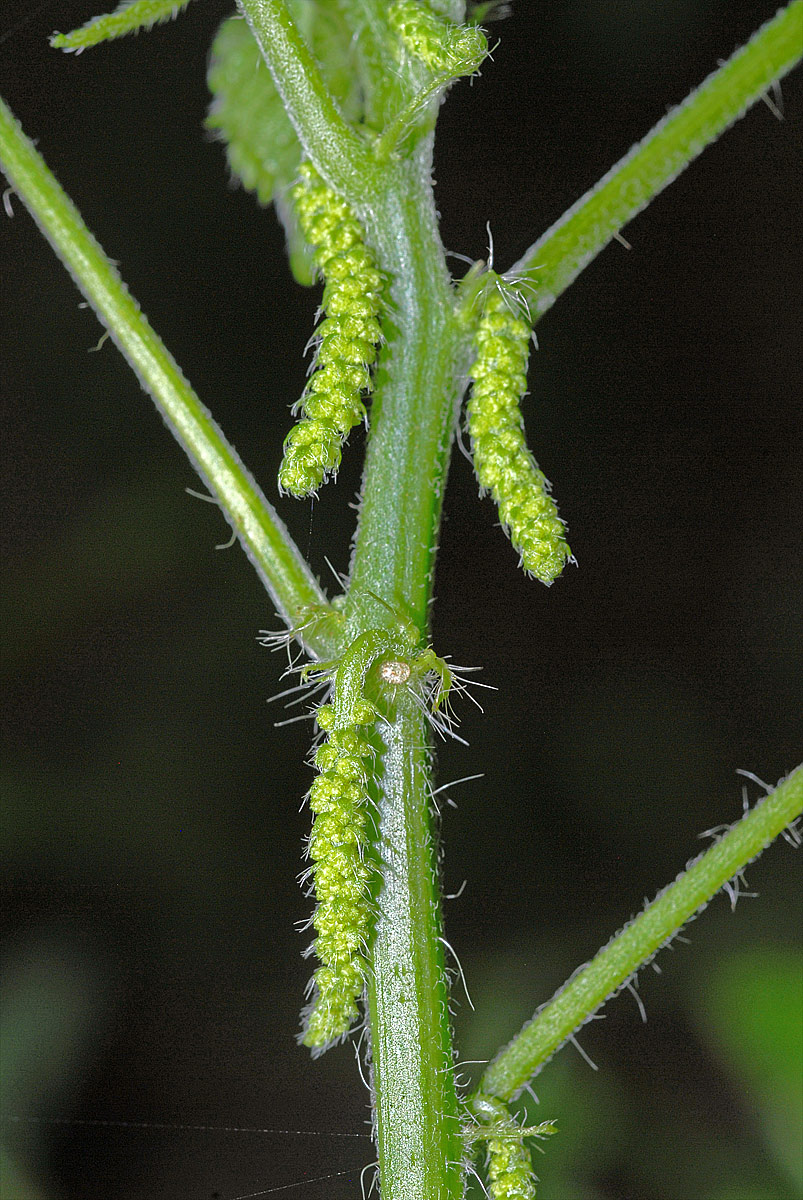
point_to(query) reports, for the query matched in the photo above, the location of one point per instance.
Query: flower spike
(504, 465)
(347, 338)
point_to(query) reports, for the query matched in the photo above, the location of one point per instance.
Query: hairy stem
(615, 964)
(335, 149)
(412, 419)
(558, 257)
(276, 558)
(413, 410)
(419, 1144)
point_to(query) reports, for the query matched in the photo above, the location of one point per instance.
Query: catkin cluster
(504, 465)
(340, 877)
(510, 1169)
(347, 338)
(339, 799)
(509, 1163)
(447, 49)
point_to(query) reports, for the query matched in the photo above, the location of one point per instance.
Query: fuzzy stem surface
(412, 420)
(278, 562)
(413, 414)
(558, 257)
(419, 1143)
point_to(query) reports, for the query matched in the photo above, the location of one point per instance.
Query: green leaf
(261, 144)
(247, 112)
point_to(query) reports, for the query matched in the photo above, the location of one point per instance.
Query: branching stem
(278, 562)
(335, 149)
(614, 965)
(558, 257)
(420, 374)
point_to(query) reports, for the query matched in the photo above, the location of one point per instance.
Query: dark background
(153, 837)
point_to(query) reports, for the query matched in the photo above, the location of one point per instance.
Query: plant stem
(558, 257)
(413, 409)
(276, 558)
(412, 419)
(335, 149)
(418, 1132)
(635, 946)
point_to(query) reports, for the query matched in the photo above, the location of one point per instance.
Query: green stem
(413, 406)
(558, 257)
(654, 928)
(412, 419)
(418, 1131)
(335, 149)
(262, 534)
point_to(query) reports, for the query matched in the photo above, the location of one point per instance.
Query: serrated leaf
(247, 111)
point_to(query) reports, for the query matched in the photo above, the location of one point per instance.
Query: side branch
(559, 256)
(616, 963)
(278, 562)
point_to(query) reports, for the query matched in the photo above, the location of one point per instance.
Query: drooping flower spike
(509, 1164)
(347, 338)
(339, 799)
(448, 49)
(504, 465)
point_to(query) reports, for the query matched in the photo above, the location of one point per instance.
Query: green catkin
(343, 912)
(339, 800)
(127, 18)
(509, 1163)
(504, 465)
(447, 49)
(510, 1169)
(348, 336)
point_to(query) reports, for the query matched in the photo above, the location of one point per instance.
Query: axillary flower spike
(339, 799)
(347, 338)
(504, 465)
(449, 50)
(509, 1162)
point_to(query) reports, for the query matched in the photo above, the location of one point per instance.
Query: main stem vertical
(418, 1131)
(412, 417)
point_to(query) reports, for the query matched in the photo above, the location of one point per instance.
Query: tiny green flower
(509, 1162)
